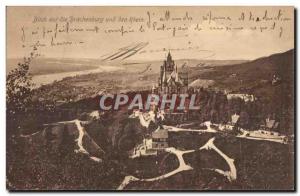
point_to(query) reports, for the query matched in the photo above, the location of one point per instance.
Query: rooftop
(162, 133)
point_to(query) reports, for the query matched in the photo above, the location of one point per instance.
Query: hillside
(253, 75)
(255, 78)
(60, 158)
(76, 150)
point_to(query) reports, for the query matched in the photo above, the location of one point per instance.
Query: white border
(5, 3)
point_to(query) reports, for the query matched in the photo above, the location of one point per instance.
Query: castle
(171, 81)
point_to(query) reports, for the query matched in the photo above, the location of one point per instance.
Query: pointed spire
(164, 75)
(169, 58)
(153, 88)
(176, 74)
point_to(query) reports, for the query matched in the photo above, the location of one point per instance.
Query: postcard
(156, 98)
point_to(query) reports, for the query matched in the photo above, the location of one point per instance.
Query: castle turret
(169, 63)
(171, 80)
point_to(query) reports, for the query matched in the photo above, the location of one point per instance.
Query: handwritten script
(45, 31)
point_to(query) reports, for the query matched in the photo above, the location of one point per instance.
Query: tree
(19, 87)
(244, 120)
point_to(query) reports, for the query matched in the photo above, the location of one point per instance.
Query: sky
(218, 33)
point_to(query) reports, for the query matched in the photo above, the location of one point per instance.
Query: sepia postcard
(158, 98)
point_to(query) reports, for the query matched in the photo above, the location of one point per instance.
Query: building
(160, 139)
(178, 117)
(171, 81)
(234, 119)
(245, 97)
(271, 125)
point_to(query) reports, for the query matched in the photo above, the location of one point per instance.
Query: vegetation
(19, 87)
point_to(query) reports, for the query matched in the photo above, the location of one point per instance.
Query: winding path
(79, 140)
(231, 175)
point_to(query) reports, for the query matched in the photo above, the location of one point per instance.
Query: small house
(271, 125)
(160, 139)
(234, 119)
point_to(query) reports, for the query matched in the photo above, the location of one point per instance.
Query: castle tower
(171, 80)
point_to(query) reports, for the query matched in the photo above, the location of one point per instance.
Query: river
(43, 79)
